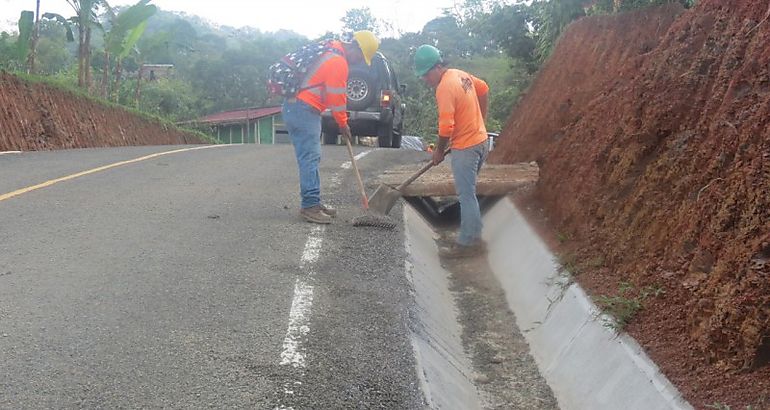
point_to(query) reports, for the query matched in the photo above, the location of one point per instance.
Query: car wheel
(396, 139)
(385, 135)
(361, 89)
(329, 138)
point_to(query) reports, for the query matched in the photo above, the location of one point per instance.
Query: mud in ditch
(505, 373)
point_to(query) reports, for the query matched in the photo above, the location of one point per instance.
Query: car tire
(385, 135)
(396, 139)
(361, 89)
(329, 138)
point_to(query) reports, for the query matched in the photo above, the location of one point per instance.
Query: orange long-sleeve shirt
(326, 84)
(459, 113)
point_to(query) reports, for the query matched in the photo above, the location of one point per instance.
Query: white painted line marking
(348, 164)
(299, 319)
(312, 248)
(10, 152)
(301, 306)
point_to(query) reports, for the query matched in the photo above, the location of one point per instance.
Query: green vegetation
(100, 50)
(622, 307)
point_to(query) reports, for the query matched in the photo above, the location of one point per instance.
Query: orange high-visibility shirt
(459, 113)
(326, 84)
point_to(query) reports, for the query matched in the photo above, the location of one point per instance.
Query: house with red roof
(262, 125)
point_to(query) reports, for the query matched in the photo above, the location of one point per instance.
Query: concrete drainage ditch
(471, 353)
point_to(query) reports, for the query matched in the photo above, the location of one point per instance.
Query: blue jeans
(466, 164)
(304, 125)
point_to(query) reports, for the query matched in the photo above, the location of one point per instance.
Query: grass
(569, 263)
(624, 306)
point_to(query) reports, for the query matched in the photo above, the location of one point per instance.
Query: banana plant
(85, 19)
(127, 27)
(26, 28)
(29, 33)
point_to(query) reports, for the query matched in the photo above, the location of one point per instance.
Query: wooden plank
(494, 179)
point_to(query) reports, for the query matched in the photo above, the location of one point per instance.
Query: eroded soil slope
(651, 131)
(41, 117)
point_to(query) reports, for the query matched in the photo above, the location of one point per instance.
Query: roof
(236, 116)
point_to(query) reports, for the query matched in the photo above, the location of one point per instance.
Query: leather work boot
(456, 251)
(329, 210)
(315, 214)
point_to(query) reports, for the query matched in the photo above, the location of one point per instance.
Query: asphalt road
(188, 280)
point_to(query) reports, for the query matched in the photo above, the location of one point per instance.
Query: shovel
(384, 197)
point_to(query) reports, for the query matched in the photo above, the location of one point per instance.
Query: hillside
(654, 150)
(37, 116)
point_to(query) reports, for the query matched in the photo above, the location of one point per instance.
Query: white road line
(9, 152)
(348, 164)
(301, 306)
(302, 303)
(299, 325)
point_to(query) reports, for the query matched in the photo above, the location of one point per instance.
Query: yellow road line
(18, 192)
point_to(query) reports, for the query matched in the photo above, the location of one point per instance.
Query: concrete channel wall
(444, 369)
(586, 364)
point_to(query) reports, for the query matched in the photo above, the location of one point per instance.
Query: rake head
(378, 221)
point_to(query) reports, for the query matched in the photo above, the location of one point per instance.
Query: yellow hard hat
(368, 43)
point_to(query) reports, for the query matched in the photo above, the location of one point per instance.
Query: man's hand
(438, 156)
(345, 132)
(440, 151)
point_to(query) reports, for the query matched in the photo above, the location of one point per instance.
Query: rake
(369, 218)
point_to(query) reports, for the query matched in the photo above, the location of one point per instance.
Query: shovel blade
(383, 199)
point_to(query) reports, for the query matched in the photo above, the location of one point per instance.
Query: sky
(307, 17)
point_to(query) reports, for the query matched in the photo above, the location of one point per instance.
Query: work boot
(315, 214)
(456, 251)
(329, 210)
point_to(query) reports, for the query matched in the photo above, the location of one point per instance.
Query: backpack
(285, 77)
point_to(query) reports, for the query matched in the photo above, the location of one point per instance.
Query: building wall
(261, 131)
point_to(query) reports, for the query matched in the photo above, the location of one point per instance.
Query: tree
(550, 18)
(26, 29)
(449, 36)
(126, 29)
(85, 18)
(54, 54)
(34, 41)
(360, 19)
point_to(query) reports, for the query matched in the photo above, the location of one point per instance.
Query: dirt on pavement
(651, 132)
(36, 116)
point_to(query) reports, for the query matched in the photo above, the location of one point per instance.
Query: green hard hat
(425, 58)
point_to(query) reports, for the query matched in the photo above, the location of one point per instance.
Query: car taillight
(385, 98)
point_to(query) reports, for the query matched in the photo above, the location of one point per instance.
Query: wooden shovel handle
(417, 174)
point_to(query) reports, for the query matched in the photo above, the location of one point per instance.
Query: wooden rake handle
(364, 198)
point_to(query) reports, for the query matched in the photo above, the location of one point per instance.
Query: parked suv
(375, 105)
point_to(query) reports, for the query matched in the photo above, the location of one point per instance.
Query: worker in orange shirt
(462, 107)
(323, 86)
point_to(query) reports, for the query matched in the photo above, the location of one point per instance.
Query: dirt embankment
(652, 132)
(41, 117)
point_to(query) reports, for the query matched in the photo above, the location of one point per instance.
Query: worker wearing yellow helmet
(323, 86)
